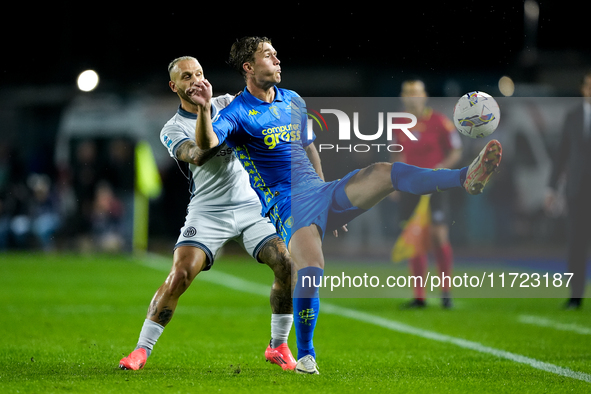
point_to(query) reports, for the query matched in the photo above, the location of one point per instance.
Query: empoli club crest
(274, 111)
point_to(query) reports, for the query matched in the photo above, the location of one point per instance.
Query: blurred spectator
(44, 211)
(18, 211)
(107, 219)
(77, 188)
(32, 219)
(14, 196)
(4, 225)
(38, 219)
(120, 174)
(86, 175)
(573, 159)
(7, 167)
(97, 190)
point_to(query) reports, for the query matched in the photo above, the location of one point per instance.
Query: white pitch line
(239, 284)
(543, 322)
(404, 328)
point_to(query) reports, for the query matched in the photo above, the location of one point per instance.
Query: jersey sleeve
(172, 136)
(219, 103)
(299, 116)
(225, 125)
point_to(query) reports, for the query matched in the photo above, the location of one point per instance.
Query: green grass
(66, 320)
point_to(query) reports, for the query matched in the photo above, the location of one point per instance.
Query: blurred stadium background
(70, 153)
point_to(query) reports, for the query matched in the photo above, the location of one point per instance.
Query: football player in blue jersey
(266, 126)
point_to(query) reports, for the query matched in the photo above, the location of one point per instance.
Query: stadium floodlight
(88, 80)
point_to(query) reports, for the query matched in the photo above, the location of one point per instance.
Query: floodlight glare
(88, 80)
(506, 86)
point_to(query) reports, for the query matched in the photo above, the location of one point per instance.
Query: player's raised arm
(200, 94)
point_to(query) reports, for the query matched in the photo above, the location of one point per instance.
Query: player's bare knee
(185, 269)
(377, 175)
(180, 280)
(370, 185)
(377, 170)
(383, 171)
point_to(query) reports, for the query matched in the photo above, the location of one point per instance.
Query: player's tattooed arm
(189, 152)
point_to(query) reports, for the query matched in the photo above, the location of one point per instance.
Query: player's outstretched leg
(274, 254)
(371, 184)
(483, 166)
(188, 262)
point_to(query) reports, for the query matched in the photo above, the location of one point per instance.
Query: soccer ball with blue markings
(476, 115)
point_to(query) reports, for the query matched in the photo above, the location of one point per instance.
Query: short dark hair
(243, 51)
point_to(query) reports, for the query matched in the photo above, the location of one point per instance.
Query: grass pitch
(66, 320)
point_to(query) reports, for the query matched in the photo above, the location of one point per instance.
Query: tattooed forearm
(189, 152)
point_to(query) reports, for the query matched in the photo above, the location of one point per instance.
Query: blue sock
(417, 180)
(463, 173)
(306, 306)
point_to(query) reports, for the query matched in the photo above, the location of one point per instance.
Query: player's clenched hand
(200, 93)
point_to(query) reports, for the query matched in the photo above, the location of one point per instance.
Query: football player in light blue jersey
(284, 168)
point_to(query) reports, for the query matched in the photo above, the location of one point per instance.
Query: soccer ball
(476, 114)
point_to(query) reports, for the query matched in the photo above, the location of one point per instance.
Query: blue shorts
(324, 204)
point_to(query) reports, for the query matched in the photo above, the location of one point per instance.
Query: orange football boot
(136, 360)
(281, 355)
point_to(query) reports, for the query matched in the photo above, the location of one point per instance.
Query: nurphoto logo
(392, 120)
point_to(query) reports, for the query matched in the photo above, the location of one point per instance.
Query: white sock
(280, 328)
(149, 334)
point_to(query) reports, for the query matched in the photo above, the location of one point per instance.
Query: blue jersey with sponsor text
(269, 140)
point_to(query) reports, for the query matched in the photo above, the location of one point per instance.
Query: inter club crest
(189, 232)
